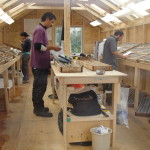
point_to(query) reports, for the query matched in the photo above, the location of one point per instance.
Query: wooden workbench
(135, 75)
(77, 129)
(4, 71)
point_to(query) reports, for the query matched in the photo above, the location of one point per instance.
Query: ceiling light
(144, 5)
(10, 21)
(109, 18)
(98, 8)
(137, 9)
(95, 23)
(122, 12)
(135, 16)
(1, 12)
(5, 17)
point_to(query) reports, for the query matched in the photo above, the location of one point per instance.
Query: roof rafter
(8, 4)
(93, 13)
(115, 8)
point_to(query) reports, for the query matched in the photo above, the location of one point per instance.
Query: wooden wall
(90, 34)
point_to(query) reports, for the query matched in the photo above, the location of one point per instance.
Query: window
(75, 36)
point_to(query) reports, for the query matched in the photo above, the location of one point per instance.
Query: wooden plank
(95, 65)
(8, 64)
(80, 131)
(5, 76)
(68, 68)
(115, 100)
(13, 79)
(67, 27)
(137, 86)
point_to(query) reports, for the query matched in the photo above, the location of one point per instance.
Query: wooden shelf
(99, 117)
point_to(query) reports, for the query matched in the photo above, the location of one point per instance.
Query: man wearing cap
(26, 46)
(40, 63)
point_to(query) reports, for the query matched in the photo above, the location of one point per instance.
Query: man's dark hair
(48, 15)
(118, 32)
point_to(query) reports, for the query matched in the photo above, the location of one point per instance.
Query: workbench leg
(18, 71)
(53, 86)
(137, 86)
(115, 100)
(5, 76)
(13, 79)
(65, 130)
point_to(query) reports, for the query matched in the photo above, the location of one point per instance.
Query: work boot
(46, 109)
(44, 112)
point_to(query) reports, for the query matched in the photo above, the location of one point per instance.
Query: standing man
(26, 46)
(40, 63)
(110, 52)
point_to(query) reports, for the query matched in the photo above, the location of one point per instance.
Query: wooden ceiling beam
(54, 7)
(2, 1)
(93, 13)
(115, 8)
(8, 4)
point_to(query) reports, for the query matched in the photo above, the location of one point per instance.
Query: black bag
(85, 104)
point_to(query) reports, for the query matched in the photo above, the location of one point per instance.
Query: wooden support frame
(4, 71)
(83, 124)
(67, 27)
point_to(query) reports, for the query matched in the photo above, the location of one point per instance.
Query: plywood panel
(90, 33)
(131, 35)
(139, 34)
(148, 33)
(90, 36)
(147, 83)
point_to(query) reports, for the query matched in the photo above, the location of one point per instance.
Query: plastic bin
(100, 141)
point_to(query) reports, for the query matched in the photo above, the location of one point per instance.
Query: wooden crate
(68, 68)
(95, 65)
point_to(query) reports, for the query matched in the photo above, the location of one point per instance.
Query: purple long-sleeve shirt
(40, 59)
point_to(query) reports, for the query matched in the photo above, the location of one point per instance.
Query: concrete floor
(20, 129)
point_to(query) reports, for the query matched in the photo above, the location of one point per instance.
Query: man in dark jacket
(26, 46)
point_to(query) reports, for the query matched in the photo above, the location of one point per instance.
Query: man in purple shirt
(40, 63)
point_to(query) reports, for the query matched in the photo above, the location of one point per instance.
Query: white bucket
(100, 141)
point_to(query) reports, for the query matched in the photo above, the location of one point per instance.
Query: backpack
(85, 104)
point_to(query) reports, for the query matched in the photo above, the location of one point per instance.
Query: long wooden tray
(95, 65)
(68, 68)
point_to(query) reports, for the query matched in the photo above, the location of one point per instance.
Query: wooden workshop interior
(76, 16)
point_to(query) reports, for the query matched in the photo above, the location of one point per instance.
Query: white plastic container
(100, 141)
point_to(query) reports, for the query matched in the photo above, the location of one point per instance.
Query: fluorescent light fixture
(113, 1)
(109, 18)
(95, 23)
(1, 12)
(10, 21)
(135, 16)
(144, 5)
(137, 9)
(5, 17)
(98, 8)
(122, 12)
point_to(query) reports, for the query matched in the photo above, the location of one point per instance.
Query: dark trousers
(39, 87)
(25, 69)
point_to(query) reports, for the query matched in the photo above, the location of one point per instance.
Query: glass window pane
(75, 36)
(76, 39)
(58, 36)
